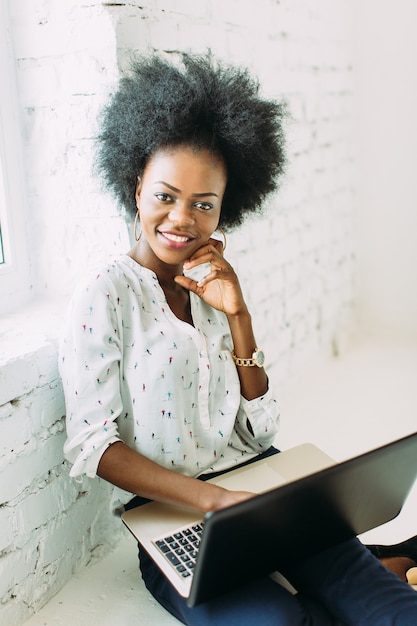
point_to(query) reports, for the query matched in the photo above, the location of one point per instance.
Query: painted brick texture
(297, 263)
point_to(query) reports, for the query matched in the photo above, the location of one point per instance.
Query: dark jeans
(342, 586)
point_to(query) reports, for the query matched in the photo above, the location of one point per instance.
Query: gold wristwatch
(258, 359)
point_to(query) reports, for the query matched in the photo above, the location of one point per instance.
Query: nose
(182, 214)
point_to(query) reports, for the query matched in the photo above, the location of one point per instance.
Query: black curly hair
(203, 104)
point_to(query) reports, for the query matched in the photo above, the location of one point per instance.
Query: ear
(138, 190)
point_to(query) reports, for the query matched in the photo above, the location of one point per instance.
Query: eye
(204, 206)
(163, 197)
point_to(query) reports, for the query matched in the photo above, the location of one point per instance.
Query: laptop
(305, 503)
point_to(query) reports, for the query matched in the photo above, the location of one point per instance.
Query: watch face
(259, 358)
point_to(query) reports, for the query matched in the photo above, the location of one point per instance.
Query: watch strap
(248, 362)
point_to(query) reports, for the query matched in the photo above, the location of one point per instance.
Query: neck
(164, 272)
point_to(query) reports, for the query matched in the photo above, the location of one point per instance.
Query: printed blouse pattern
(133, 371)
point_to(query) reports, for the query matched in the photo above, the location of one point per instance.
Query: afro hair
(200, 103)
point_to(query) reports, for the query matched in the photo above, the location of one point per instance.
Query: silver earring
(135, 227)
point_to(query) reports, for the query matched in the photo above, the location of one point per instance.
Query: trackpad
(257, 478)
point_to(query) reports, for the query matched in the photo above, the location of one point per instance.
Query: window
(1, 248)
(14, 266)
(2, 217)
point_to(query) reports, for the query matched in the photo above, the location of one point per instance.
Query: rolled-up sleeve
(90, 354)
(257, 421)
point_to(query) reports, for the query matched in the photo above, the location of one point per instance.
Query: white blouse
(133, 372)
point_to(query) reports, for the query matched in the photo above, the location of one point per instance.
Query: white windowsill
(38, 322)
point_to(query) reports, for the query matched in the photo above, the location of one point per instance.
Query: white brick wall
(49, 525)
(297, 263)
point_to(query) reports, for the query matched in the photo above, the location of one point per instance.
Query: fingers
(217, 244)
(222, 274)
(197, 287)
(187, 283)
(209, 252)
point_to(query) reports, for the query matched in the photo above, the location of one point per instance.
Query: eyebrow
(195, 195)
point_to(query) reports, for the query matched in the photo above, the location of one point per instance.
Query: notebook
(306, 503)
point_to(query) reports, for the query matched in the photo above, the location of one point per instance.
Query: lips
(175, 239)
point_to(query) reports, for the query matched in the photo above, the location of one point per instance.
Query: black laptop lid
(301, 518)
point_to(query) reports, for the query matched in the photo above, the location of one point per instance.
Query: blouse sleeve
(90, 370)
(257, 421)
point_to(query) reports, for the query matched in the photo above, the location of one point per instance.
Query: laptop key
(163, 546)
(172, 558)
(180, 548)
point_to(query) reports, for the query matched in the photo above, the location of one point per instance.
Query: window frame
(14, 272)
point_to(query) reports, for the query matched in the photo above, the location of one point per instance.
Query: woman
(163, 377)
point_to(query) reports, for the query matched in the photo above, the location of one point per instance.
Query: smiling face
(179, 200)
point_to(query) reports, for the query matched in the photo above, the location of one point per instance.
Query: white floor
(346, 406)
(359, 401)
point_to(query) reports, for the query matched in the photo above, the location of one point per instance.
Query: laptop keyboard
(181, 548)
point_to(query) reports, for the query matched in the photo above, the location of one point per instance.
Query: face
(179, 200)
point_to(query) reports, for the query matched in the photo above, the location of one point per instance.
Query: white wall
(297, 264)
(51, 526)
(387, 165)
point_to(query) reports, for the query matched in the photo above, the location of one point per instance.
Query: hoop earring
(220, 229)
(135, 227)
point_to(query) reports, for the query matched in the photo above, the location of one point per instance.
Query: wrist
(240, 318)
(211, 497)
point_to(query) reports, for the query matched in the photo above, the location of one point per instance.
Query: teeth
(176, 238)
